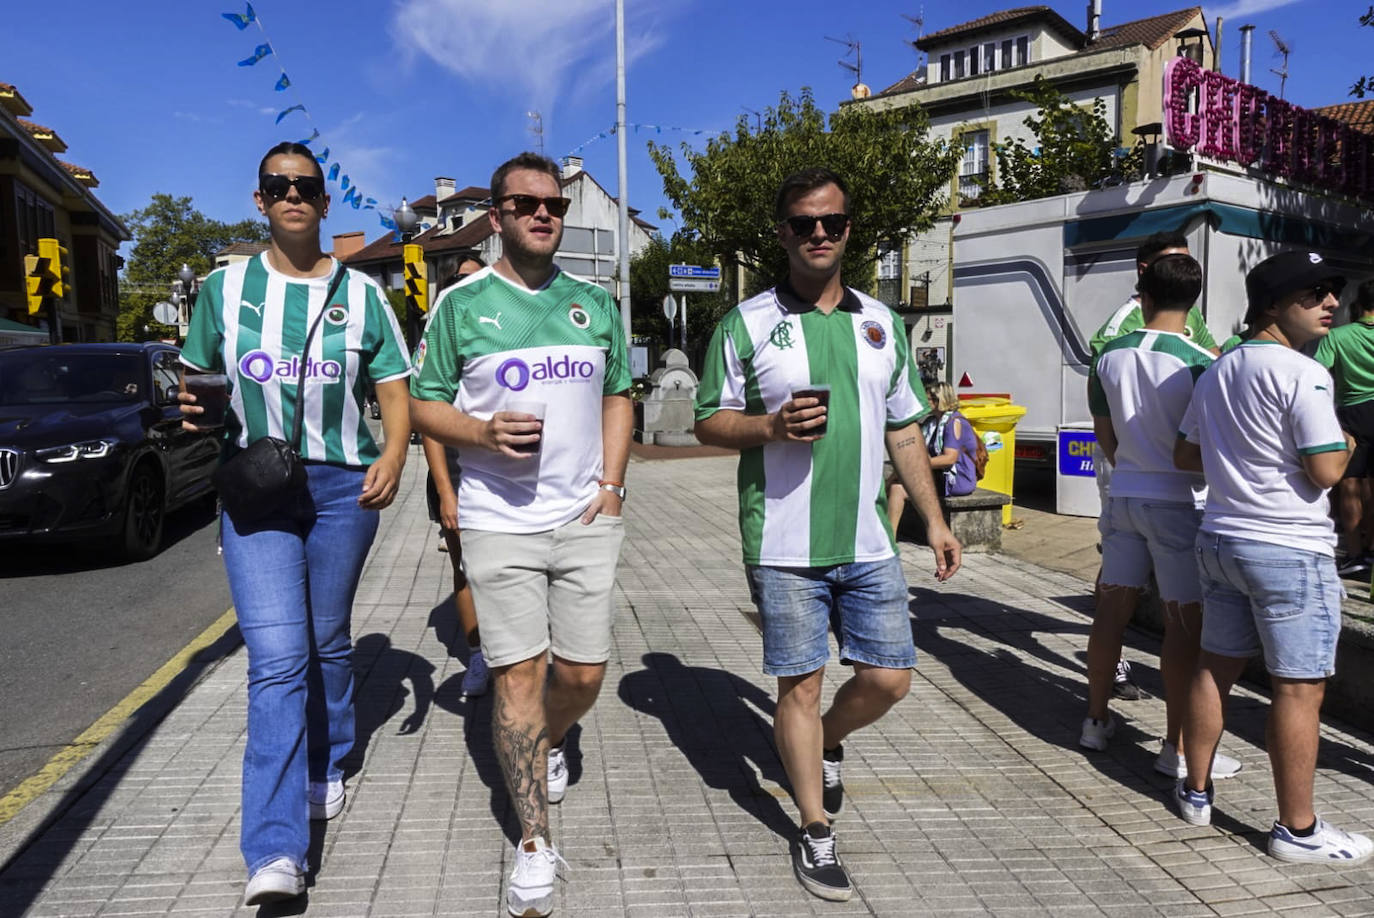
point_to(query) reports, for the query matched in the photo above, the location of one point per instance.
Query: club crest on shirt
(874, 334)
(336, 315)
(420, 350)
(579, 316)
(781, 335)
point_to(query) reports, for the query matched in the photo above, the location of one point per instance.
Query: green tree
(649, 285)
(168, 233)
(1364, 84)
(1074, 149)
(898, 181)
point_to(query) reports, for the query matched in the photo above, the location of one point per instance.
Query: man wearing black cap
(1262, 427)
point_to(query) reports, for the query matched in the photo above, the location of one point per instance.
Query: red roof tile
(1359, 115)
(999, 19)
(1151, 32)
(470, 193)
(81, 173)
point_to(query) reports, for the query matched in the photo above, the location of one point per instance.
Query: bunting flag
(242, 21)
(259, 53)
(284, 82)
(387, 222)
(321, 158)
(311, 139)
(286, 111)
(656, 128)
(352, 197)
(333, 175)
(344, 183)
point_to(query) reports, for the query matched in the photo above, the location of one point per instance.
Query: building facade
(42, 196)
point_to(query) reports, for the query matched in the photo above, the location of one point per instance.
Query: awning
(12, 333)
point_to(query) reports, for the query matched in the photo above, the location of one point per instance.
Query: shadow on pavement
(43, 853)
(379, 693)
(721, 723)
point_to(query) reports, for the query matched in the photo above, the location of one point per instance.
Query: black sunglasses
(1318, 292)
(276, 187)
(803, 224)
(527, 205)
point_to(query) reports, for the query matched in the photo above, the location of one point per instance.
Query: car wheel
(143, 515)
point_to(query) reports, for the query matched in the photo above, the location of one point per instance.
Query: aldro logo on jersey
(781, 335)
(515, 374)
(261, 366)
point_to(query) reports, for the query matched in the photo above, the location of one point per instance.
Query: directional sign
(693, 271)
(669, 307)
(692, 285)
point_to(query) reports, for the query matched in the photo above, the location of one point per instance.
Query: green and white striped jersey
(822, 503)
(250, 322)
(491, 342)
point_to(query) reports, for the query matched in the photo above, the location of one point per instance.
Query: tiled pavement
(971, 797)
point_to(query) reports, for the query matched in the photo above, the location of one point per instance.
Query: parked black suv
(91, 444)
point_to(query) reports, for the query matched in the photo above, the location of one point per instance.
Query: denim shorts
(864, 602)
(1144, 533)
(1262, 597)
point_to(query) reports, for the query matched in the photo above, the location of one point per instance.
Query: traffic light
(38, 280)
(417, 277)
(59, 266)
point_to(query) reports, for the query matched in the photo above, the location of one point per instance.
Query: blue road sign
(693, 271)
(1076, 452)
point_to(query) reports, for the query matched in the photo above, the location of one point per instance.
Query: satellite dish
(166, 313)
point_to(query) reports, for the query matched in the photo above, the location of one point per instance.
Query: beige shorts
(548, 589)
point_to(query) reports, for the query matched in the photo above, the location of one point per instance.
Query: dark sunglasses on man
(276, 187)
(833, 224)
(527, 205)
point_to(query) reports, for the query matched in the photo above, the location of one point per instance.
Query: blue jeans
(865, 601)
(293, 576)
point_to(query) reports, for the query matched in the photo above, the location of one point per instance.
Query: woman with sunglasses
(294, 572)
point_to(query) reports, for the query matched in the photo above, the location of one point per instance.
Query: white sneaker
(1327, 845)
(530, 892)
(1194, 806)
(477, 675)
(275, 881)
(1096, 733)
(558, 774)
(1170, 763)
(326, 799)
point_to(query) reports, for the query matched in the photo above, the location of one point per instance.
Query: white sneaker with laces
(274, 882)
(1194, 806)
(326, 799)
(1171, 763)
(1096, 733)
(1327, 845)
(558, 774)
(477, 675)
(530, 891)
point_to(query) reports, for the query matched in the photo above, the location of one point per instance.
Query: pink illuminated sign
(1226, 119)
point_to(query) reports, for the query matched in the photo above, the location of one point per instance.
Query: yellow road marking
(92, 736)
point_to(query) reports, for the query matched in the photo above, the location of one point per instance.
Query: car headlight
(86, 449)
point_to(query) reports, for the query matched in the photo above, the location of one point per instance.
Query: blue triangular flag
(259, 53)
(286, 111)
(242, 20)
(313, 137)
(344, 183)
(284, 82)
(322, 158)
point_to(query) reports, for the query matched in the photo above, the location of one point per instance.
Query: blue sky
(151, 97)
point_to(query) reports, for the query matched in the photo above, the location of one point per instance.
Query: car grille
(9, 467)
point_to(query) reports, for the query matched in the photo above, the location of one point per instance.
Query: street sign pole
(684, 323)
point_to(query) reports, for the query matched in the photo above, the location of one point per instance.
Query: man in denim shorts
(1138, 390)
(1262, 426)
(810, 380)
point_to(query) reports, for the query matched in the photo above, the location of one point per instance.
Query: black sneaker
(832, 788)
(817, 866)
(1123, 686)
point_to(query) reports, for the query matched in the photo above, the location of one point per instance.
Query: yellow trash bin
(994, 420)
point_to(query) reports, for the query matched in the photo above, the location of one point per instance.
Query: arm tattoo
(522, 751)
(903, 444)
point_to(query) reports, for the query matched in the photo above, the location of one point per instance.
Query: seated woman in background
(952, 444)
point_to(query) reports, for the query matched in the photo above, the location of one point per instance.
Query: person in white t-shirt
(1137, 391)
(1262, 426)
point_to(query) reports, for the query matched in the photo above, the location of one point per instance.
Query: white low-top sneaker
(1327, 845)
(558, 774)
(1194, 806)
(1170, 763)
(1097, 733)
(326, 799)
(530, 891)
(274, 882)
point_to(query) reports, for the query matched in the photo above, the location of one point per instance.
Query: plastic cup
(536, 409)
(212, 394)
(820, 392)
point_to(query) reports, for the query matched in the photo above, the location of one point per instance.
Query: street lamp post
(188, 296)
(406, 221)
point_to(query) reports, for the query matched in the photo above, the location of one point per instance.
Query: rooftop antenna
(856, 68)
(919, 21)
(537, 130)
(1285, 49)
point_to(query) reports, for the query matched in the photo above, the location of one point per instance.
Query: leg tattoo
(522, 749)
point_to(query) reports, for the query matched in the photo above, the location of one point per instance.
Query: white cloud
(533, 50)
(1239, 8)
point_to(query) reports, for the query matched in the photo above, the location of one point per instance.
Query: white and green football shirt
(250, 323)
(491, 342)
(1143, 382)
(821, 503)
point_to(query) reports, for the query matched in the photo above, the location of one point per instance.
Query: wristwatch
(614, 487)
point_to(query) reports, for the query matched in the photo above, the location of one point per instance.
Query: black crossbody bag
(267, 474)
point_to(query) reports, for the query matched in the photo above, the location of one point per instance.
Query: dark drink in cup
(212, 393)
(820, 392)
(536, 409)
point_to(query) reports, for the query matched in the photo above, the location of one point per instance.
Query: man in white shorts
(1262, 426)
(525, 370)
(1138, 391)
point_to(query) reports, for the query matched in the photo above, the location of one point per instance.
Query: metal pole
(1245, 32)
(684, 324)
(624, 202)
